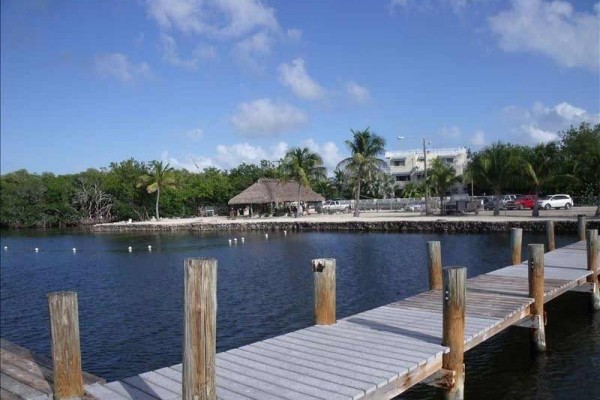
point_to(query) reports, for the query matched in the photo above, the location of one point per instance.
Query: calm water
(130, 304)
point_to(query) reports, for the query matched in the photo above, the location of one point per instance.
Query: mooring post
(550, 235)
(592, 263)
(516, 240)
(434, 261)
(199, 328)
(324, 280)
(581, 227)
(453, 331)
(536, 292)
(66, 351)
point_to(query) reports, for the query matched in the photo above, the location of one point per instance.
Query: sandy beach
(367, 217)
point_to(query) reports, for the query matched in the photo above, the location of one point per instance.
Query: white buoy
(74, 250)
(242, 240)
(130, 249)
(284, 233)
(235, 241)
(149, 248)
(5, 247)
(37, 250)
(230, 242)
(266, 235)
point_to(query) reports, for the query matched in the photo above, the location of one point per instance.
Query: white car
(414, 206)
(555, 201)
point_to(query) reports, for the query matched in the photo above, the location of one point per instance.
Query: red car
(527, 201)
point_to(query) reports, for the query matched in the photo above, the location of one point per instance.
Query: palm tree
(338, 181)
(303, 166)
(160, 177)
(363, 164)
(412, 190)
(541, 166)
(441, 177)
(495, 166)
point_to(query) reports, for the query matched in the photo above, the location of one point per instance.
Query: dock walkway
(376, 354)
(25, 375)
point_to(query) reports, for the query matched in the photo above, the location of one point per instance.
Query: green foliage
(303, 166)
(441, 178)
(364, 163)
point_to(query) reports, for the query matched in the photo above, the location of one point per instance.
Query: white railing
(438, 152)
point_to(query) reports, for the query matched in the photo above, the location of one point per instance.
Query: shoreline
(564, 221)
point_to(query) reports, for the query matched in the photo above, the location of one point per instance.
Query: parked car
(333, 206)
(503, 200)
(414, 206)
(461, 204)
(527, 201)
(555, 201)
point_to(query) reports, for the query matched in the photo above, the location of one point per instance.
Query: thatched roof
(267, 191)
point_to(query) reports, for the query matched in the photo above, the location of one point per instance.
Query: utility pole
(426, 187)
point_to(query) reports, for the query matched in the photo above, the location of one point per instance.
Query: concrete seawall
(438, 225)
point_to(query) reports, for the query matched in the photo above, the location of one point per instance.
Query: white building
(409, 165)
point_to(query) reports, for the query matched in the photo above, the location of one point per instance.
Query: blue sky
(203, 83)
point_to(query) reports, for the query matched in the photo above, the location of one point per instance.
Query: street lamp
(399, 139)
(425, 143)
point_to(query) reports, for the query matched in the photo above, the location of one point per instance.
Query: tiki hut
(271, 194)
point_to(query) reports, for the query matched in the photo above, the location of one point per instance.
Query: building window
(449, 160)
(399, 163)
(402, 178)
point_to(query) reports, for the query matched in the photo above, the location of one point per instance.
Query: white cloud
(295, 77)
(226, 18)
(478, 138)
(538, 135)
(230, 156)
(542, 123)
(551, 28)
(171, 55)
(117, 65)
(328, 151)
(250, 51)
(263, 117)
(357, 93)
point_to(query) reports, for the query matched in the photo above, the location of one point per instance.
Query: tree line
(141, 190)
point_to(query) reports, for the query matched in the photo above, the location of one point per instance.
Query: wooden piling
(550, 235)
(592, 264)
(516, 240)
(199, 329)
(324, 282)
(536, 292)
(434, 261)
(66, 351)
(581, 227)
(453, 331)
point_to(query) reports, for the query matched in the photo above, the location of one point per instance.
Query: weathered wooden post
(453, 331)
(434, 261)
(324, 279)
(516, 240)
(550, 235)
(581, 227)
(199, 328)
(592, 263)
(536, 292)
(66, 351)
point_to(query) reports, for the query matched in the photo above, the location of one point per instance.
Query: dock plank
(375, 354)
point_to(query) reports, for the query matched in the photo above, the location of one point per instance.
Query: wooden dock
(25, 375)
(376, 354)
